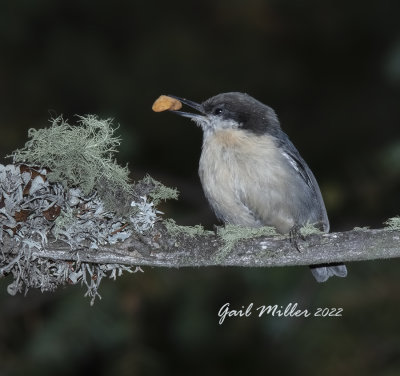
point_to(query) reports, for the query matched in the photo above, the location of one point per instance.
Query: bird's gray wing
(294, 158)
(320, 272)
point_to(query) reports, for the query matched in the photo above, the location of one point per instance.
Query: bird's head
(231, 111)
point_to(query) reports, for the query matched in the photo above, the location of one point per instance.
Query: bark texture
(159, 248)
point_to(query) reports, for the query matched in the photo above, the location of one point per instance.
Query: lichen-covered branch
(65, 185)
(69, 214)
(159, 248)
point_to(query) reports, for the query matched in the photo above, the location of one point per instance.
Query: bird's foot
(294, 236)
(215, 229)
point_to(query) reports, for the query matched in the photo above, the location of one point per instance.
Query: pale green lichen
(79, 156)
(159, 191)
(309, 229)
(65, 220)
(191, 231)
(231, 234)
(364, 228)
(393, 223)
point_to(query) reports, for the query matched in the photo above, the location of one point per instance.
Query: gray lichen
(145, 215)
(32, 215)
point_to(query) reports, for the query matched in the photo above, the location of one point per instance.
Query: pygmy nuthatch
(252, 174)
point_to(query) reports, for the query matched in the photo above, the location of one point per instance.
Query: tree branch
(86, 200)
(159, 248)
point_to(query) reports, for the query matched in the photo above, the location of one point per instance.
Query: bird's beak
(187, 102)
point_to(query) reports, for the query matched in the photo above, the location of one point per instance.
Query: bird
(251, 173)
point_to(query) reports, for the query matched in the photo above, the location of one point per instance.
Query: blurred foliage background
(331, 70)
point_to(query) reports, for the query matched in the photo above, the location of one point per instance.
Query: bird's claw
(294, 236)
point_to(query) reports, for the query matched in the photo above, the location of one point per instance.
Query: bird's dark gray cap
(251, 114)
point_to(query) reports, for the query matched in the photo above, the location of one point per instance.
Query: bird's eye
(218, 111)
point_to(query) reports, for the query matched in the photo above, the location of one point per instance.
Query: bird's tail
(322, 272)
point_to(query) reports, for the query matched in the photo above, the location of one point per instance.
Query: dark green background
(331, 70)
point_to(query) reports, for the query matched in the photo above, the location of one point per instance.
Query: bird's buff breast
(242, 178)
